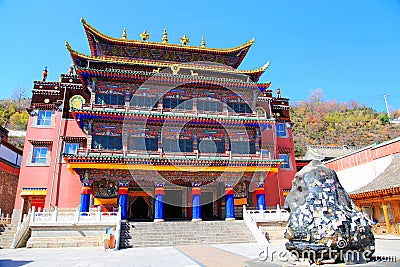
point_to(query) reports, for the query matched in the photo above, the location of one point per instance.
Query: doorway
(207, 206)
(139, 209)
(173, 205)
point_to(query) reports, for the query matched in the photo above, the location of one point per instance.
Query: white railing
(252, 225)
(73, 217)
(4, 219)
(118, 229)
(254, 216)
(22, 231)
(269, 215)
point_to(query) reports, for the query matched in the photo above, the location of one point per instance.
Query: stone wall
(8, 190)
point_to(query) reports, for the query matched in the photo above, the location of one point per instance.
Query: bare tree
(18, 95)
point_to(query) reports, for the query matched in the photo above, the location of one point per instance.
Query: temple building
(162, 131)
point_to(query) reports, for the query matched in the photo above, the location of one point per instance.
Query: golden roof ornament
(185, 40)
(203, 42)
(144, 36)
(124, 34)
(165, 37)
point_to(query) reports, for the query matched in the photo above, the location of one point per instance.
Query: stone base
(196, 220)
(67, 235)
(229, 219)
(158, 220)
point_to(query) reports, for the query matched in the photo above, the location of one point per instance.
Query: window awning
(33, 192)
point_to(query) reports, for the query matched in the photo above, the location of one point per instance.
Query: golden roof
(165, 64)
(165, 45)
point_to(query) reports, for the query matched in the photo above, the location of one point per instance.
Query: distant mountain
(320, 122)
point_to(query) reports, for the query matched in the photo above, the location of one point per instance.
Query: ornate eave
(171, 164)
(94, 37)
(376, 193)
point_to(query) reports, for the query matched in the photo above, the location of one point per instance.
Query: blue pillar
(229, 203)
(123, 200)
(159, 203)
(196, 204)
(85, 198)
(260, 194)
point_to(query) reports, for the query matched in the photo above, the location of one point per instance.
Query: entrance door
(173, 205)
(207, 206)
(139, 210)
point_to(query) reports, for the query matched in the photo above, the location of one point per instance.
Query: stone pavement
(244, 254)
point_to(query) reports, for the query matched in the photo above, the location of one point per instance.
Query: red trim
(229, 191)
(86, 189)
(159, 191)
(123, 190)
(260, 191)
(196, 191)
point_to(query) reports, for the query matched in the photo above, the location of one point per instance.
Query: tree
(18, 95)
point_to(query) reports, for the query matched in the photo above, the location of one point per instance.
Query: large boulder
(323, 221)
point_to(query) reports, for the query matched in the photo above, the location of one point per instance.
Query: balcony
(174, 112)
(171, 155)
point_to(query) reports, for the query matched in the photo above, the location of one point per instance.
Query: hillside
(320, 122)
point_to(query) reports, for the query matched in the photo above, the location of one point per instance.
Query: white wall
(358, 176)
(9, 155)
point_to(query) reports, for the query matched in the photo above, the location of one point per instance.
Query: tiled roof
(327, 152)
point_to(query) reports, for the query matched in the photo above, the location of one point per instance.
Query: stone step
(143, 234)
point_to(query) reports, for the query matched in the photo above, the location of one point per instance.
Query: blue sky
(349, 49)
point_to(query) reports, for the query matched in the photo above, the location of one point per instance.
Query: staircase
(7, 233)
(149, 234)
(274, 230)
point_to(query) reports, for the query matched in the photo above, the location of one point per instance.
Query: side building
(164, 131)
(10, 162)
(371, 175)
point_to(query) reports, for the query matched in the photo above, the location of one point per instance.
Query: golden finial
(145, 36)
(165, 37)
(83, 20)
(203, 42)
(124, 34)
(185, 40)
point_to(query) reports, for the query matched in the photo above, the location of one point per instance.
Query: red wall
(366, 155)
(66, 185)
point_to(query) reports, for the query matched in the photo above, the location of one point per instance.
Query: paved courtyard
(245, 254)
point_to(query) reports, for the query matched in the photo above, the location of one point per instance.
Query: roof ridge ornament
(185, 40)
(203, 42)
(124, 35)
(165, 37)
(144, 36)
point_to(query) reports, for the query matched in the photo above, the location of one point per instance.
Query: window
(209, 105)
(211, 146)
(280, 130)
(107, 142)
(177, 103)
(243, 147)
(110, 99)
(144, 101)
(286, 164)
(173, 145)
(261, 112)
(44, 117)
(39, 154)
(71, 148)
(145, 144)
(240, 107)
